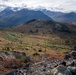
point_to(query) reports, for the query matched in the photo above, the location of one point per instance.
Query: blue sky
(59, 5)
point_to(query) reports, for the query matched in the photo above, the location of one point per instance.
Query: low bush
(36, 54)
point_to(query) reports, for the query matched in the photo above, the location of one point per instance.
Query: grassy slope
(32, 43)
(44, 37)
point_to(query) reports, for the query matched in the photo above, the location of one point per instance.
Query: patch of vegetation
(15, 35)
(34, 49)
(36, 54)
(24, 59)
(60, 47)
(39, 50)
(55, 45)
(37, 31)
(7, 48)
(26, 48)
(31, 31)
(13, 39)
(52, 43)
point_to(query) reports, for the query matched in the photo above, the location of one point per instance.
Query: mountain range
(60, 16)
(16, 16)
(12, 18)
(6, 12)
(67, 17)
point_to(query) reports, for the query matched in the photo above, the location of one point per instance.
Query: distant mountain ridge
(8, 11)
(67, 17)
(51, 13)
(61, 17)
(19, 17)
(16, 16)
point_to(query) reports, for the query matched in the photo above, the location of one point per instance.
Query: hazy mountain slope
(22, 16)
(68, 17)
(52, 14)
(6, 12)
(60, 16)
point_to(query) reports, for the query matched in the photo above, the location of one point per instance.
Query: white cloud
(61, 5)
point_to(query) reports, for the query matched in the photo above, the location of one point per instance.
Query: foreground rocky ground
(10, 61)
(50, 67)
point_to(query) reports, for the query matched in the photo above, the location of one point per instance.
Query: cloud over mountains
(59, 5)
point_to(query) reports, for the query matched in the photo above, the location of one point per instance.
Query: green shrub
(39, 50)
(36, 54)
(34, 49)
(7, 48)
(24, 59)
(27, 49)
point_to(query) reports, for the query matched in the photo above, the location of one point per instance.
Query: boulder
(60, 70)
(72, 69)
(67, 56)
(73, 54)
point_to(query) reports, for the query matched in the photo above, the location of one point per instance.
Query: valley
(37, 41)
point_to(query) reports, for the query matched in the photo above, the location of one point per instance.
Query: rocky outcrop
(61, 70)
(70, 55)
(61, 28)
(50, 67)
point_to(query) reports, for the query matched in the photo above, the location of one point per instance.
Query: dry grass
(32, 43)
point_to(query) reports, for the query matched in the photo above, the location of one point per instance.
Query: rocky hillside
(66, 31)
(46, 26)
